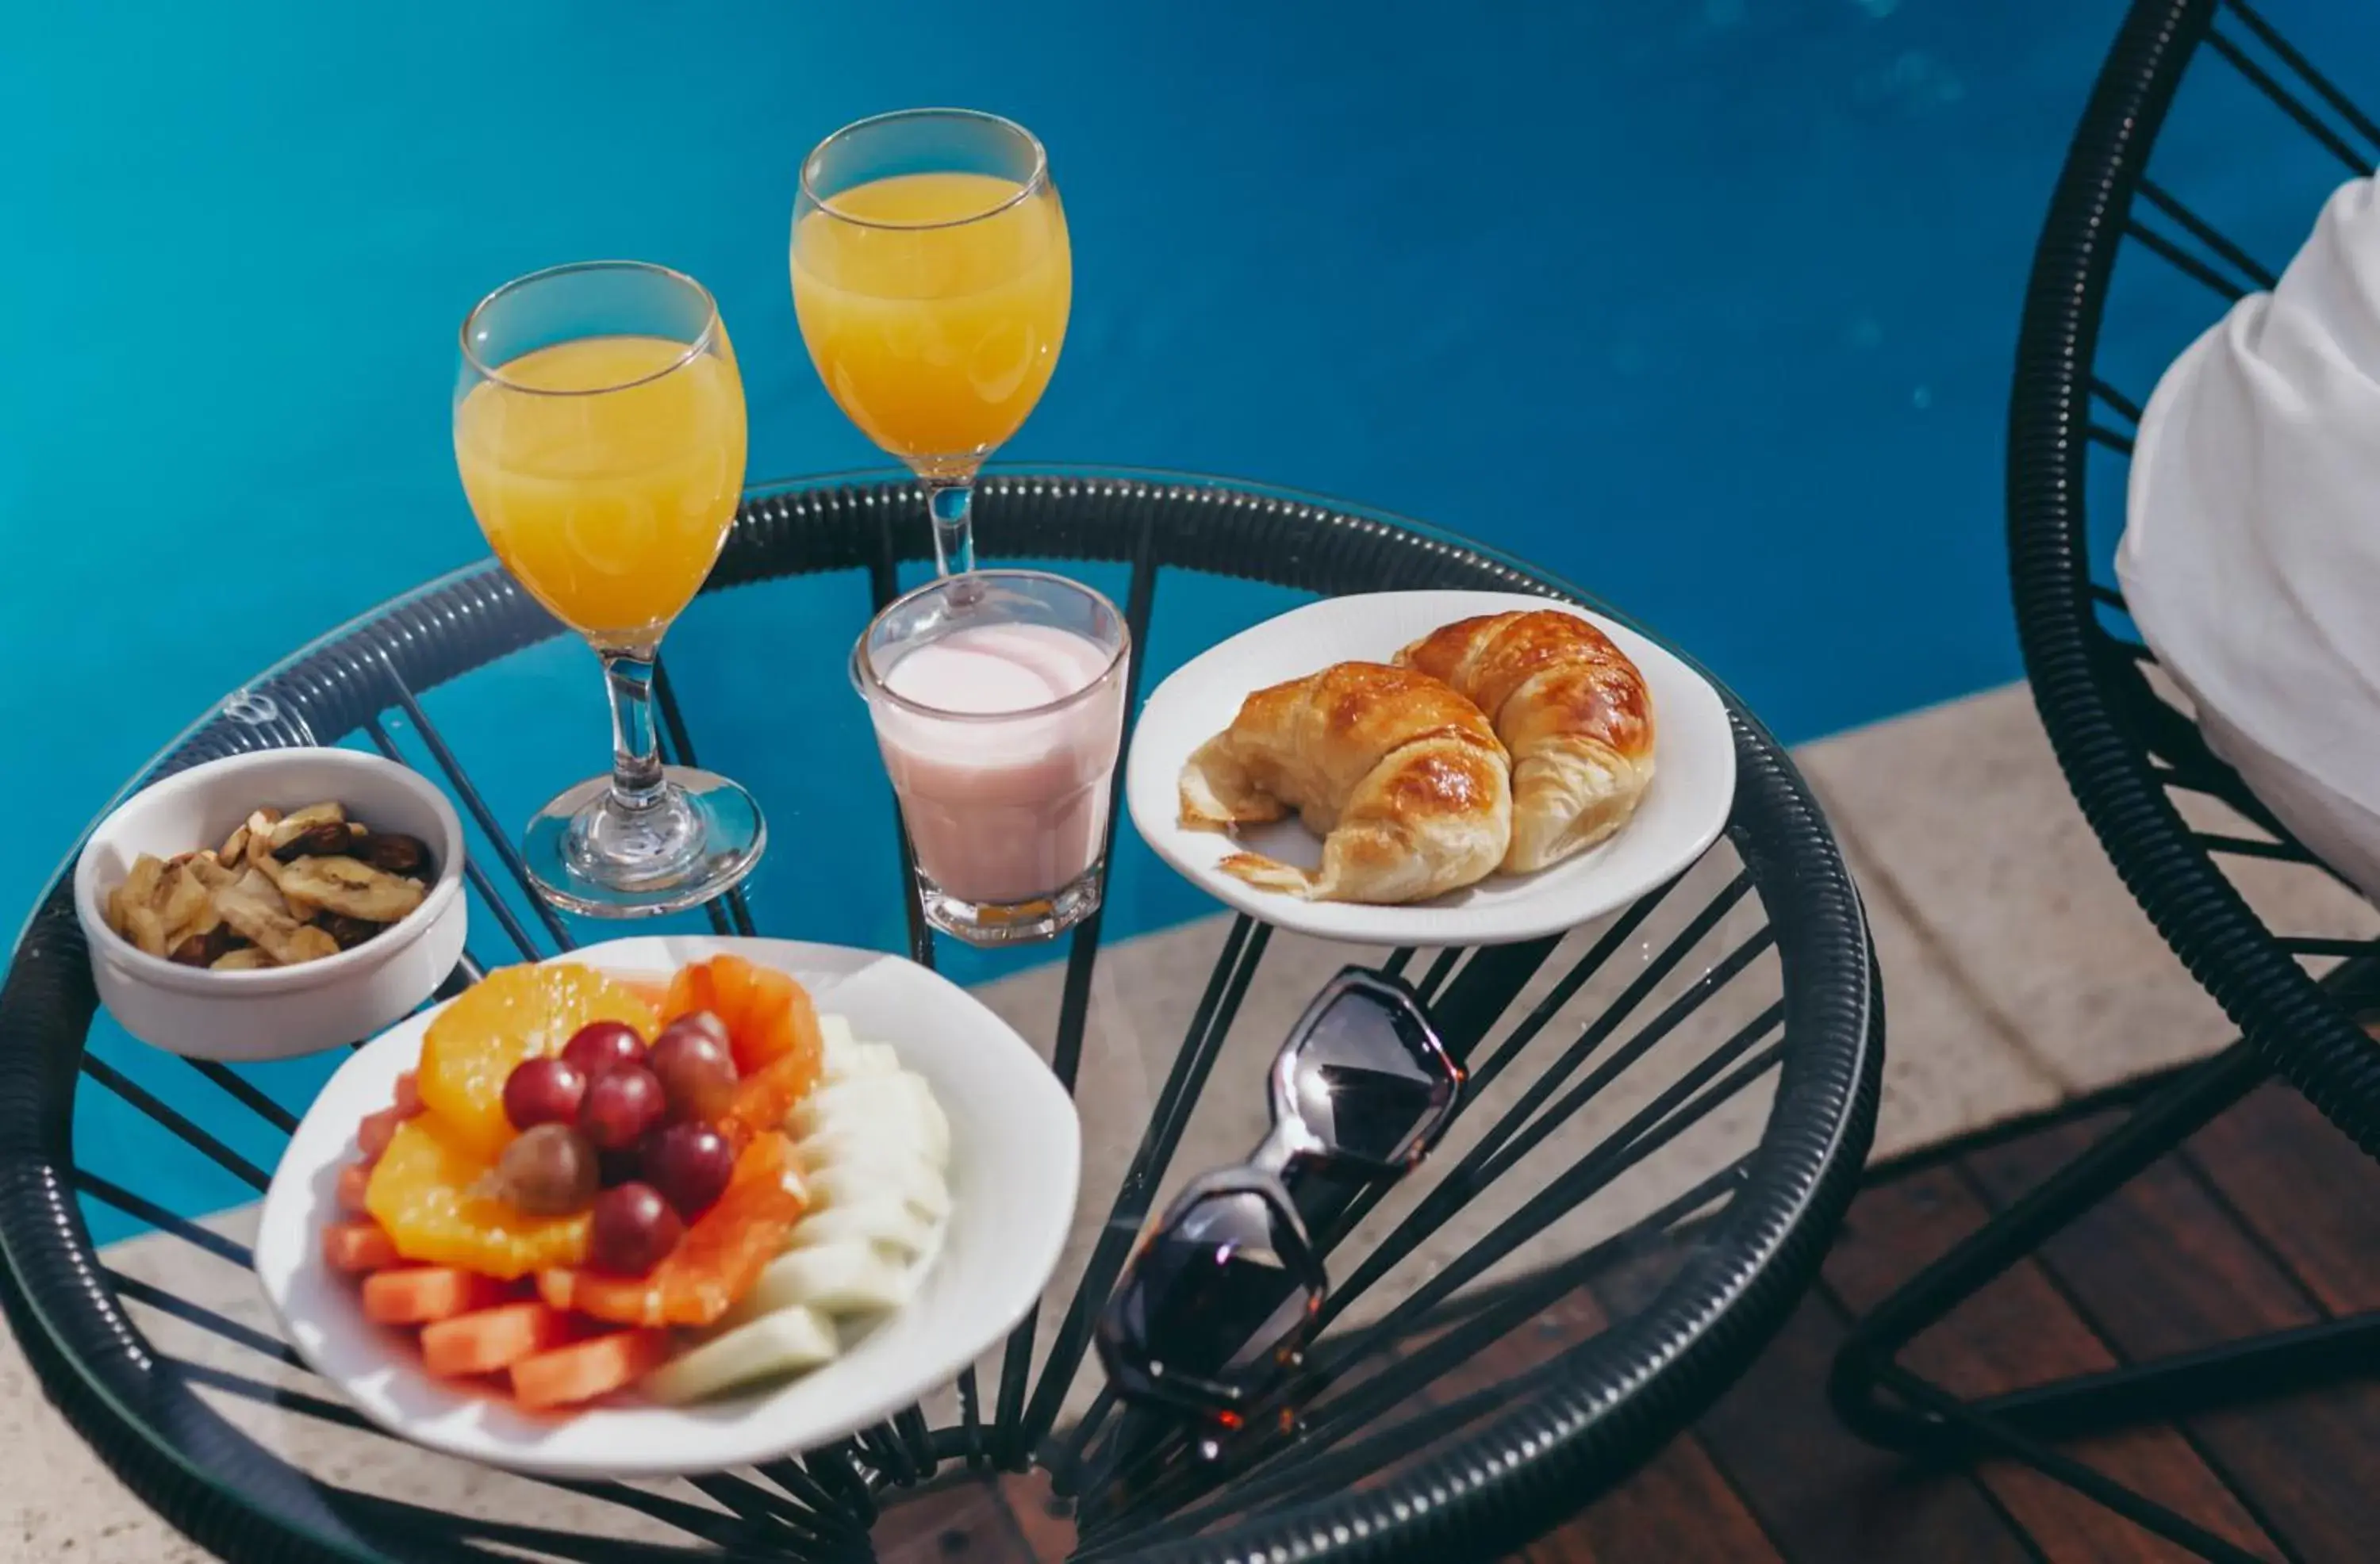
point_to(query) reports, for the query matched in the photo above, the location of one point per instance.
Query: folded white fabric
(2251, 555)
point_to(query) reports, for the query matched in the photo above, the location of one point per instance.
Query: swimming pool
(1706, 304)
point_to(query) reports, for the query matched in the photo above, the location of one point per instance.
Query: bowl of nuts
(272, 903)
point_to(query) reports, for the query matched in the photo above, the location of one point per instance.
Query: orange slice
(424, 1192)
(514, 1013)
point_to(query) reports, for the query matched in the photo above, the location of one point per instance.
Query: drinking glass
(599, 426)
(998, 702)
(932, 278)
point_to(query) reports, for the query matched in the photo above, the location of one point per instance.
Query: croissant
(1573, 711)
(1402, 778)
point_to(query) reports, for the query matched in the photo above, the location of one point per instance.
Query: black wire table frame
(1479, 1475)
(2128, 751)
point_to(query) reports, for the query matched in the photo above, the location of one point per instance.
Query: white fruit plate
(1682, 815)
(1016, 1161)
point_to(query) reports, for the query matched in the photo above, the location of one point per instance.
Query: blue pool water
(1706, 304)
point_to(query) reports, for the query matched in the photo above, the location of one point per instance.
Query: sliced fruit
(372, 1134)
(835, 1278)
(650, 992)
(426, 1189)
(731, 987)
(514, 1013)
(353, 1179)
(689, 990)
(418, 1294)
(769, 1015)
(779, 1021)
(915, 1184)
(357, 1247)
(716, 1263)
(767, 1098)
(877, 1109)
(888, 1223)
(769, 1348)
(584, 1370)
(859, 1061)
(490, 1340)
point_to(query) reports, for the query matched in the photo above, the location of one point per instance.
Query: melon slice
(786, 1342)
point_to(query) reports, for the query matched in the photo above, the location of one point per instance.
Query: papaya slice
(731, 993)
(718, 1261)
(769, 1015)
(690, 989)
(766, 1099)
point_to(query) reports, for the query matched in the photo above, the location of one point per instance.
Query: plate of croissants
(1432, 768)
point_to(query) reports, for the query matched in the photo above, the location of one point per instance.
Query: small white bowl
(279, 1012)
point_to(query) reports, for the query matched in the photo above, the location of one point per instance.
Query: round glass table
(1668, 1112)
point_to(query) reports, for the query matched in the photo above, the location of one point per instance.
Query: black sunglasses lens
(1213, 1302)
(1370, 1080)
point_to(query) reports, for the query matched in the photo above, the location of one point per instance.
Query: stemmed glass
(599, 425)
(932, 278)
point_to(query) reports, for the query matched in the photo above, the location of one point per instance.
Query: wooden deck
(2268, 1218)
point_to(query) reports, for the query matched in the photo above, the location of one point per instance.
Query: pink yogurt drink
(1003, 779)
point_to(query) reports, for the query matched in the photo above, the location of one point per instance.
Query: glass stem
(635, 747)
(948, 501)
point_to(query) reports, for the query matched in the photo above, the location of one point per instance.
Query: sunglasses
(1223, 1295)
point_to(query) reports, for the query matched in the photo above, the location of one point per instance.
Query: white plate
(1683, 812)
(1016, 1159)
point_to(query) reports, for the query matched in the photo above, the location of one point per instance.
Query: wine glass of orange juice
(599, 425)
(932, 278)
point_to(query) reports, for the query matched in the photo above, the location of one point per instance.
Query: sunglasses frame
(1291, 1143)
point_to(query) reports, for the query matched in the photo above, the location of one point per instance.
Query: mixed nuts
(283, 888)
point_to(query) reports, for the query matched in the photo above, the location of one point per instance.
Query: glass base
(697, 840)
(1012, 923)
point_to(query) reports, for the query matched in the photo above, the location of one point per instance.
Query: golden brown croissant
(1573, 711)
(1400, 777)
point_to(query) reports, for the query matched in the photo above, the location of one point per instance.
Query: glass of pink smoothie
(998, 700)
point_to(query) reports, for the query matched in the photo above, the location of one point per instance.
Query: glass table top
(1586, 1219)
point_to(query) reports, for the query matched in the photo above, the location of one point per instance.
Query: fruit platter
(666, 1205)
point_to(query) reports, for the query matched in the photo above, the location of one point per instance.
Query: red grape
(620, 1107)
(698, 1072)
(543, 1091)
(705, 1021)
(548, 1171)
(603, 1046)
(689, 1164)
(633, 1229)
(615, 1168)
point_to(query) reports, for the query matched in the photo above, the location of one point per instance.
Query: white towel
(2251, 555)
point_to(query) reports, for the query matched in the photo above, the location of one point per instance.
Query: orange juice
(609, 505)
(934, 304)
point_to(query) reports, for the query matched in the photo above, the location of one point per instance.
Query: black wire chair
(1736, 1007)
(2128, 752)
